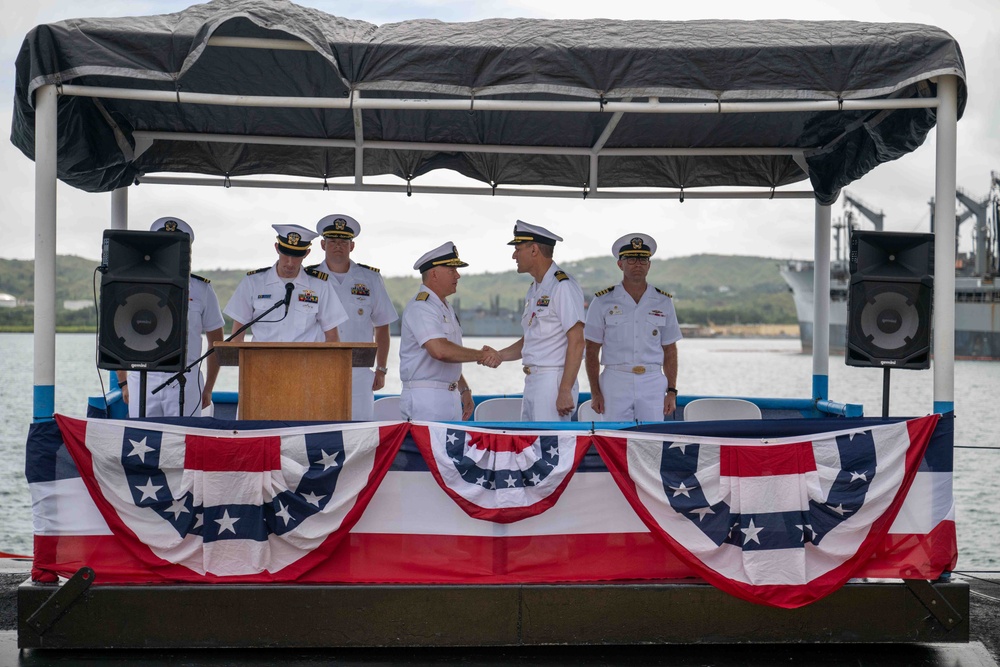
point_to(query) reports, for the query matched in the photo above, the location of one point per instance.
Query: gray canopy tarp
(504, 59)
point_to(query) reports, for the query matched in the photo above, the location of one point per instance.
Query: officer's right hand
(597, 402)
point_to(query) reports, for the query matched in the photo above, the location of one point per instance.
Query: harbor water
(716, 366)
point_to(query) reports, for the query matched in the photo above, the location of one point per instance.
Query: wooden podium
(295, 381)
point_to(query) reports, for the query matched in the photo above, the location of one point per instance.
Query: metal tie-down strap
(60, 601)
(935, 603)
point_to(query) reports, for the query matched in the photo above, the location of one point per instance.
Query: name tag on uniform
(263, 296)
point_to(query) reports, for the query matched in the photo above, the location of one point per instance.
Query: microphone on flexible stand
(288, 295)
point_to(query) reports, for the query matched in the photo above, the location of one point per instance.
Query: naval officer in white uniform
(430, 345)
(552, 346)
(314, 311)
(369, 308)
(204, 317)
(633, 328)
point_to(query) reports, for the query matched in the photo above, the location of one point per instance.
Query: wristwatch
(671, 390)
(382, 368)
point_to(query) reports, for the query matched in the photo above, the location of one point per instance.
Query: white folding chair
(387, 409)
(714, 409)
(585, 413)
(498, 410)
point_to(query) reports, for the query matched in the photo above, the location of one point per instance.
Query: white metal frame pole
(821, 304)
(46, 104)
(944, 244)
(119, 208)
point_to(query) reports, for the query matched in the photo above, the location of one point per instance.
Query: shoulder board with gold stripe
(370, 268)
(605, 291)
(422, 296)
(666, 294)
(561, 276)
(317, 274)
(197, 277)
(250, 273)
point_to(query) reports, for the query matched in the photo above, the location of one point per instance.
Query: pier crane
(877, 218)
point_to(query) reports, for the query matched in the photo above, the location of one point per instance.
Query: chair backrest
(498, 410)
(387, 409)
(585, 413)
(714, 409)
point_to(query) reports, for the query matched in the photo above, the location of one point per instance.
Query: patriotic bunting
(781, 522)
(251, 504)
(500, 476)
(776, 520)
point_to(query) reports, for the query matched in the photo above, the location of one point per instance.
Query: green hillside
(714, 289)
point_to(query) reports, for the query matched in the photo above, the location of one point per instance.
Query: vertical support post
(359, 143)
(821, 303)
(46, 142)
(944, 244)
(119, 208)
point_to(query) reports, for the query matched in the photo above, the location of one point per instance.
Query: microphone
(288, 295)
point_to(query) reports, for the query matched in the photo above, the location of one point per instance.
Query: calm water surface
(741, 367)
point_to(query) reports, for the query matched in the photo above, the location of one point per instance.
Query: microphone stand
(179, 376)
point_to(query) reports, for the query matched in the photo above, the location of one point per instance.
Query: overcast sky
(397, 229)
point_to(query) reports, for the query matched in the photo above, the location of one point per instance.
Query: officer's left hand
(564, 402)
(206, 399)
(379, 381)
(669, 403)
(468, 405)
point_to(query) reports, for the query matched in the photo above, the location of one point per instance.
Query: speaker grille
(889, 320)
(144, 322)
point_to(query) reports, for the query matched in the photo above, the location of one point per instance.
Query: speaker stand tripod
(885, 392)
(142, 394)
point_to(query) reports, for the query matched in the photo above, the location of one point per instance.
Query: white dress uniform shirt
(632, 335)
(203, 316)
(629, 332)
(551, 308)
(362, 293)
(428, 384)
(314, 309)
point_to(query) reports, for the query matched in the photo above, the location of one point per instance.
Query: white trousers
(430, 404)
(540, 393)
(630, 397)
(362, 398)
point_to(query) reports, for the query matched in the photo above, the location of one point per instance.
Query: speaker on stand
(144, 303)
(889, 302)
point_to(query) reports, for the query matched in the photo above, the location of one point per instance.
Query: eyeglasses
(637, 260)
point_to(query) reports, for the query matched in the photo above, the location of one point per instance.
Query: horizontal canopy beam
(485, 190)
(148, 136)
(598, 106)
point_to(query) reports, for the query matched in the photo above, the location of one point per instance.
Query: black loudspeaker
(144, 301)
(889, 300)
